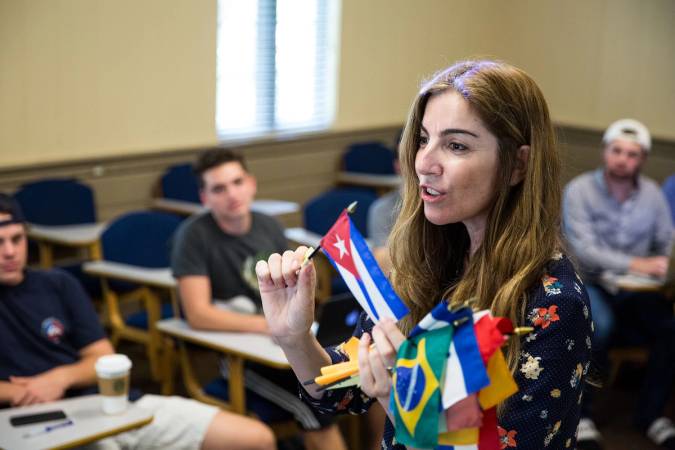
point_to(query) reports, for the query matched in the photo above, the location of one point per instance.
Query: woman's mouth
(430, 194)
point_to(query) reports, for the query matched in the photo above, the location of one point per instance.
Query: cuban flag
(348, 252)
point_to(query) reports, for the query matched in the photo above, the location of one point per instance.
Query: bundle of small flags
(450, 364)
(451, 361)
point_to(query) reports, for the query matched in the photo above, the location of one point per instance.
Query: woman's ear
(519, 171)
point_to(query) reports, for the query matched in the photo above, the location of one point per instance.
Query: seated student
(479, 220)
(50, 339)
(213, 257)
(618, 221)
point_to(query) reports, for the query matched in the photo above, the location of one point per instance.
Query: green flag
(416, 394)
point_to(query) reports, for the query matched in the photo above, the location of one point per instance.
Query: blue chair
(369, 157)
(55, 202)
(320, 212)
(669, 192)
(180, 183)
(58, 201)
(139, 239)
(319, 215)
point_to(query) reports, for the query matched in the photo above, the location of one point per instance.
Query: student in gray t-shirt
(214, 257)
(202, 248)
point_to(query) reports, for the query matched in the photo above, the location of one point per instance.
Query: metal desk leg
(236, 384)
(46, 255)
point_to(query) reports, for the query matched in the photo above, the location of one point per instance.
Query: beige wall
(81, 79)
(85, 78)
(596, 60)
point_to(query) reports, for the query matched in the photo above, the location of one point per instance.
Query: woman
(479, 219)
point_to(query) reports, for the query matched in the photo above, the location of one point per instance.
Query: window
(276, 66)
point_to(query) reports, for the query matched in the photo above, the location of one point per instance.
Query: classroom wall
(595, 60)
(89, 78)
(86, 79)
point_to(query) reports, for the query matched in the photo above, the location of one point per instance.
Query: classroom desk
(269, 207)
(89, 424)
(76, 236)
(238, 347)
(151, 280)
(303, 236)
(159, 278)
(613, 282)
(381, 183)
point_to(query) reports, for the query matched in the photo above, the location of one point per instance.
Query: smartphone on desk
(28, 419)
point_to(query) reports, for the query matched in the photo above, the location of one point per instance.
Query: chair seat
(140, 319)
(266, 411)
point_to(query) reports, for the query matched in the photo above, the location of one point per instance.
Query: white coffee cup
(112, 372)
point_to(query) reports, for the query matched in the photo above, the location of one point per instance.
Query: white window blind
(276, 66)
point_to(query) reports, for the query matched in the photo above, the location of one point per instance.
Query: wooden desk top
(303, 236)
(160, 277)
(73, 235)
(630, 282)
(89, 424)
(251, 346)
(369, 180)
(269, 207)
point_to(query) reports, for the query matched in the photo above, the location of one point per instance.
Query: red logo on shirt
(53, 329)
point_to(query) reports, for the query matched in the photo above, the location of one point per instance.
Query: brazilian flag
(416, 394)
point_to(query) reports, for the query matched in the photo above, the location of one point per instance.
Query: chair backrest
(180, 183)
(321, 212)
(140, 238)
(369, 157)
(669, 192)
(337, 318)
(57, 201)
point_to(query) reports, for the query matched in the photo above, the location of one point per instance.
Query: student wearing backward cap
(50, 339)
(617, 221)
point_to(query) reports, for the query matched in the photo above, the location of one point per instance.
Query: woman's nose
(426, 162)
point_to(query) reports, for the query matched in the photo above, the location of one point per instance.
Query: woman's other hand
(375, 364)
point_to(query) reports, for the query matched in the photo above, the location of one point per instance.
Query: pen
(48, 428)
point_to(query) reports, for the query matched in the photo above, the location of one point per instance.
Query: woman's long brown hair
(522, 231)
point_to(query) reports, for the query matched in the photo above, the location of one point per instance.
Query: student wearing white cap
(618, 221)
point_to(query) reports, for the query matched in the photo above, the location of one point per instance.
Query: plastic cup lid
(113, 364)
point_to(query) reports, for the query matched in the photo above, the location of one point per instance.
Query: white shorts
(179, 423)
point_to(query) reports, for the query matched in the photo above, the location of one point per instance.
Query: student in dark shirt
(50, 339)
(479, 220)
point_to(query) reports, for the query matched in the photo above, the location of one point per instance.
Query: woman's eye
(423, 141)
(456, 146)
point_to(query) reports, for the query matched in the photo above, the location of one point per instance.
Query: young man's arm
(11, 393)
(201, 313)
(52, 384)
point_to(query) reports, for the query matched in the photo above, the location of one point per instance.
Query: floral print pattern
(551, 285)
(506, 438)
(542, 317)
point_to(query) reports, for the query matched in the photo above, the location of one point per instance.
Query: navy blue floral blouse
(554, 360)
